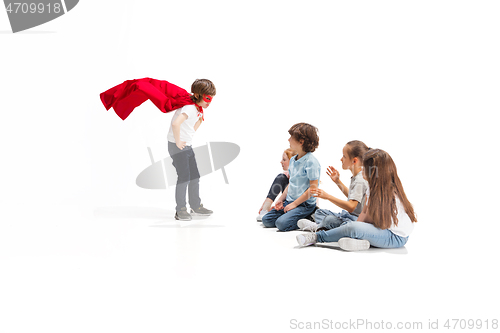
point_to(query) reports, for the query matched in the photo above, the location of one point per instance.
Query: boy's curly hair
(202, 87)
(307, 133)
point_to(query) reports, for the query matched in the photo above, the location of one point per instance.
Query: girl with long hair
(387, 217)
(324, 219)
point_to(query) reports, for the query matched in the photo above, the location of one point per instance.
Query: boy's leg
(346, 216)
(278, 186)
(288, 221)
(331, 222)
(181, 164)
(266, 207)
(194, 180)
(335, 220)
(362, 230)
(269, 220)
(320, 215)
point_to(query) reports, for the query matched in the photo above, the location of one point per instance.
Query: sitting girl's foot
(352, 244)
(262, 213)
(307, 225)
(306, 239)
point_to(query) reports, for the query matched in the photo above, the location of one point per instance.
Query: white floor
(136, 269)
(83, 249)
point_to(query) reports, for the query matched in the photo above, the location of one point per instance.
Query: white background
(83, 249)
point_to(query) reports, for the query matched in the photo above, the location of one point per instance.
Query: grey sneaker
(307, 225)
(352, 244)
(201, 211)
(183, 215)
(306, 239)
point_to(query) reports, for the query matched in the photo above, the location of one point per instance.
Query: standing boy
(185, 122)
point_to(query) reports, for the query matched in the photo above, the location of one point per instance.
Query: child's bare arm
(313, 184)
(349, 205)
(176, 128)
(343, 188)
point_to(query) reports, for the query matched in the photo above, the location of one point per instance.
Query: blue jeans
(287, 221)
(362, 230)
(188, 177)
(329, 220)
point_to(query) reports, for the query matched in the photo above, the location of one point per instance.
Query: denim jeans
(287, 221)
(329, 220)
(362, 230)
(188, 177)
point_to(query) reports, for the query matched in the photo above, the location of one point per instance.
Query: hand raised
(333, 174)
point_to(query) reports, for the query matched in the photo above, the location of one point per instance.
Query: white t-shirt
(405, 225)
(187, 127)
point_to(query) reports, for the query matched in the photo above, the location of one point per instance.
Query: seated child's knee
(351, 230)
(331, 221)
(284, 224)
(267, 221)
(282, 177)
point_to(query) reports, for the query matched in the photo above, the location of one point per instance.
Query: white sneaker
(262, 213)
(306, 239)
(307, 225)
(352, 244)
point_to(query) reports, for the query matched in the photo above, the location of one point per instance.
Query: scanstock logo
(25, 14)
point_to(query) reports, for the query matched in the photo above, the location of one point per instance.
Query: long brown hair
(385, 185)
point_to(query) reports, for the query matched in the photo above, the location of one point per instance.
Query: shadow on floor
(133, 213)
(164, 217)
(335, 246)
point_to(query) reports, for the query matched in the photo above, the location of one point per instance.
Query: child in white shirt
(185, 122)
(387, 217)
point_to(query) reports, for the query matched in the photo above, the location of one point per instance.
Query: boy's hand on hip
(181, 144)
(290, 206)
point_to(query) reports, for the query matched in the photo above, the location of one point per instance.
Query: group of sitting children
(376, 212)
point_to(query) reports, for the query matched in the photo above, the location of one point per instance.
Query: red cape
(126, 96)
